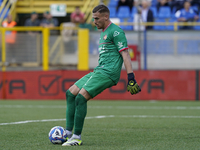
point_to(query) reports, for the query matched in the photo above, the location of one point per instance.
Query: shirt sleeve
(120, 40)
(178, 14)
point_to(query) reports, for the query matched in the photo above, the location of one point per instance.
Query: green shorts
(94, 83)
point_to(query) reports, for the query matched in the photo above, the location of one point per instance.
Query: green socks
(80, 113)
(70, 110)
(76, 112)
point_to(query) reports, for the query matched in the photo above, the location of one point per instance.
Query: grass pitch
(110, 125)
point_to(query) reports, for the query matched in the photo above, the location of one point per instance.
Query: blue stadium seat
(153, 2)
(126, 27)
(164, 12)
(123, 12)
(113, 3)
(154, 10)
(174, 10)
(112, 12)
(129, 27)
(197, 27)
(133, 11)
(123, 27)
(171, 27)
(159, 27)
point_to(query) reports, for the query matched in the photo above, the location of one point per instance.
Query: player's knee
(74, 89)
(85, 94)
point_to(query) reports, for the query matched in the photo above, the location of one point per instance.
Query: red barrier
(156, 85)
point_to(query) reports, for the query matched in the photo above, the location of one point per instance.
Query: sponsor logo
(116, 33)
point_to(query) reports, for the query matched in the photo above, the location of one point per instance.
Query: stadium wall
(45, 85)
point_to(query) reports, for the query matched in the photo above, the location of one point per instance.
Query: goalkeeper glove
(132, 86)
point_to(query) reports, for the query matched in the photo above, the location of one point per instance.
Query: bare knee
(74, 89)
(85, 94)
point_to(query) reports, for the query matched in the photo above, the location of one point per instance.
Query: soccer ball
(57, 135)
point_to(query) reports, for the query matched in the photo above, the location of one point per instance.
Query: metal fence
(159, 49)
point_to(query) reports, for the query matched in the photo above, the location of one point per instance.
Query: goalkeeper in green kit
(113, 51)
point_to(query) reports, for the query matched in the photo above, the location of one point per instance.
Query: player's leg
(70, 97)
(81, 110)
(80, 114)
(95, 85)
(70, 111)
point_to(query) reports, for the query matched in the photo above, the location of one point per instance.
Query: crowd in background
(183, 11)
(180, 10)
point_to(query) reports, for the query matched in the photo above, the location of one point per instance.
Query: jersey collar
(107, 26)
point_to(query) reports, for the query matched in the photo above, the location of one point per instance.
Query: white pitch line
(31, 106)
(106, 107)
(100, 117)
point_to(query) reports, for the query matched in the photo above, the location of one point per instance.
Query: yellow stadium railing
(174, 24)
(40, 6)
(83, 47)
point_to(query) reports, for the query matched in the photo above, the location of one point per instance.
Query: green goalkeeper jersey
(111, 43)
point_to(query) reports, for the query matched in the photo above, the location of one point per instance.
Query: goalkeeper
(113, 51)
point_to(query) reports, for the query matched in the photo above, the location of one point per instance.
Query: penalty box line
(100, 117)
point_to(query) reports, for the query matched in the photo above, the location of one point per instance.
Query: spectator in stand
(161, 3)
(176, 4)
(187, 14)
(77, 16)
(10, 37)
(33, 21)
(128, 3)
(146, 13)
(48, 20)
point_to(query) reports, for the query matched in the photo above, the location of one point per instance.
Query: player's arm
(120, 41)
(132, 86)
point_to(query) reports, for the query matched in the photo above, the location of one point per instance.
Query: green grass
(134, 125)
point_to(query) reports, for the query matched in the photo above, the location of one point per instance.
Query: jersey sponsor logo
(116, 33)
(120, 45)
(105, 37)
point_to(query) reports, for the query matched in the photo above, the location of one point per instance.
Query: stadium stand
(154, 10)
(164, 12)
(113, 3)
(164, 15)
(112, 11)
(171, 27)
(126, 27)
(159, 27)
(123, 12)
(197, 27)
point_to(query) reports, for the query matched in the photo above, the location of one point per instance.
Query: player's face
(100, 19)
